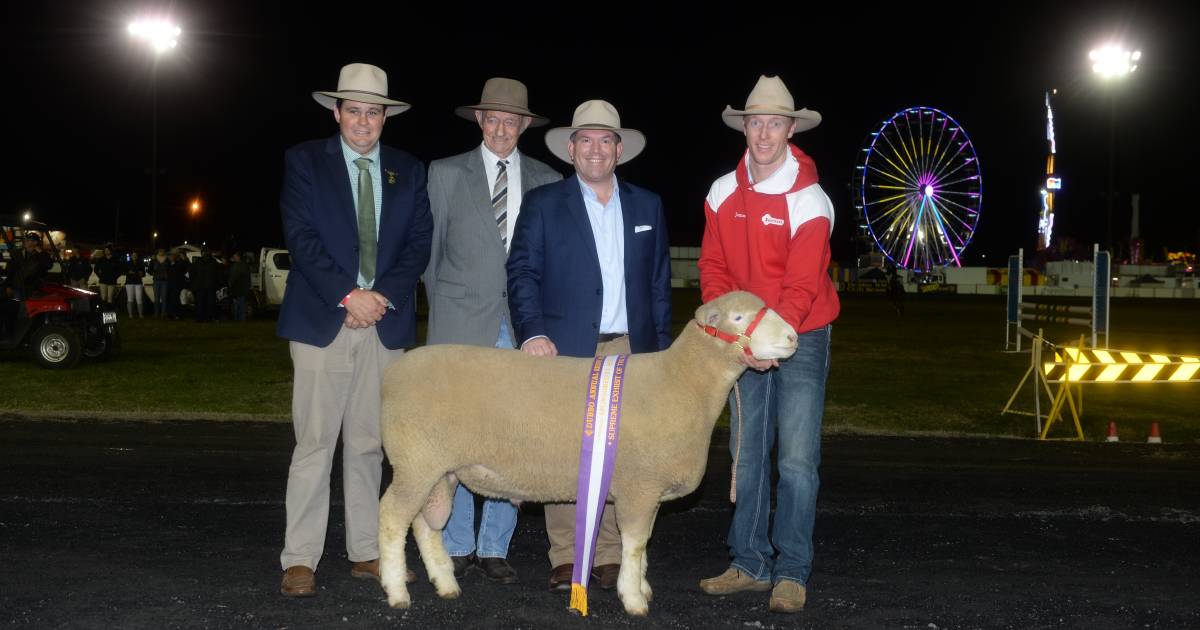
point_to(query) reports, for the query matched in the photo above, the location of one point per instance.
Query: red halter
(741, 340)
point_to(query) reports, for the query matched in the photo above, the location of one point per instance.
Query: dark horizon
(236, 93)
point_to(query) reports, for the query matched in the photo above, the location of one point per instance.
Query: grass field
(937, 368)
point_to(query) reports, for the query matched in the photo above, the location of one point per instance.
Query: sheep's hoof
(399, 602)
(647, 592)
(450, 593)
(635, 606)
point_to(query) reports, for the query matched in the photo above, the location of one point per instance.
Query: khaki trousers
(560, 517)
(336, 390)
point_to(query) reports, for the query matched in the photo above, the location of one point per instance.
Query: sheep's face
(772, 337)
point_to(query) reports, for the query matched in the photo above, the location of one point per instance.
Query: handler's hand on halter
(756, 364)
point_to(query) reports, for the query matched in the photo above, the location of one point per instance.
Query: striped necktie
(366, 221)
(500, 201)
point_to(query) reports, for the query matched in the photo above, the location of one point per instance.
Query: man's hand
(756, 364)
(354, 323)
(540, 347)
(366, 306)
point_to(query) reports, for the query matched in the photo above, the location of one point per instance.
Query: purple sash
(601, 422)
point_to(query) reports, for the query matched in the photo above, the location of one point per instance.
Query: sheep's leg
(437, 562)
(646, 591)
(635, 518)
(395, 514)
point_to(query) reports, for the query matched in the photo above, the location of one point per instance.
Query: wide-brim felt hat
(503, 95)
(770, 97)
(596, 114)
(364, 83)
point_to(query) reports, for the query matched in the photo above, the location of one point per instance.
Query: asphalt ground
(179, 524)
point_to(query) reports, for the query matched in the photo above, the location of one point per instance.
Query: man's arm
(660, 278)
(398, 283)
(309, 256)
(439, 208)
(715, 279)
(808, 259)
(526, 260)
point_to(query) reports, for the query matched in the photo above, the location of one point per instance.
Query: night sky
(235, 94)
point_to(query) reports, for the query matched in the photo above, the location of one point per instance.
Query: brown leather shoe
(298, 581)
(369, 570)
(560, 577)
(606, 575)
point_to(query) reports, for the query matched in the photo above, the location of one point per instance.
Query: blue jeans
(499, 517)
(160, 298)
(789, 402)
(239, 308)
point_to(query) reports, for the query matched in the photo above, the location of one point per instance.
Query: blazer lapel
(335, 164)
(628, 220)
(578, 212)
(479, 191)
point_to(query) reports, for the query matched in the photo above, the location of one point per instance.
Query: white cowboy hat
(770, 97)
(364, 83)
(503, 95)
(595, 114)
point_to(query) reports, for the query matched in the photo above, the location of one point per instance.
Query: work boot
(733, 581)
(788, 597)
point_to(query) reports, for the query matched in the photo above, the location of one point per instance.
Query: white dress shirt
(608, 228)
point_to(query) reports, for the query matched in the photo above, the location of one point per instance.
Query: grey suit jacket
(465, 281)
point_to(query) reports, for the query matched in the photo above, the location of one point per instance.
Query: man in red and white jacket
(767, 232)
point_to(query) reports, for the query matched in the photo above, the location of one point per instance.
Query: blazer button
(595, 325)
(504, 294)
(599, 291)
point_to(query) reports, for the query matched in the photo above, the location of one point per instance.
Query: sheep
(446, 407)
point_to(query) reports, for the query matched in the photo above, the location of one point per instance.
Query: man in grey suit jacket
(475, 198)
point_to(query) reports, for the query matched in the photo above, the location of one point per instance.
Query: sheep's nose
(791, 339)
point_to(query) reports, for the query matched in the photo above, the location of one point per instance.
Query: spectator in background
(239, 286)
(204, 274)
(134, 272)
(177, 277)
(30, 266)
(78, 271)
(106, 272)
(160, 269)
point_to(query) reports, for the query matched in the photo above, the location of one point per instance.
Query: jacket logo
(391, 176)
(767, 219)
(739, 215)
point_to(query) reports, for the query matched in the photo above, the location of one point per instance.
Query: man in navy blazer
(589, 274)
(357, 224)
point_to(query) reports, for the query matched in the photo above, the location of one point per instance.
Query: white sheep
(507, 425)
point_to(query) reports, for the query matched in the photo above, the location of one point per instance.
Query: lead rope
(737, 397)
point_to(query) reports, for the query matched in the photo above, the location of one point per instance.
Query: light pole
(161, 35)
(1111, 63)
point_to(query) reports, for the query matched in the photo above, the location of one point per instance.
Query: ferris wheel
(919, 190)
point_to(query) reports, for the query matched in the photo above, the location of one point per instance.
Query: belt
(607, 337)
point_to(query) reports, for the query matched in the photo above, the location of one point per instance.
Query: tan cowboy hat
(364, 83)
(503, 95)
(771, 97)
(595, 114)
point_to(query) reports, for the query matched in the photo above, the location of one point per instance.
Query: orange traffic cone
(1155, 437)
(1112, 433)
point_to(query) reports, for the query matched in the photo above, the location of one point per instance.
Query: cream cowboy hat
(503, 95)
(364, 83)
(595, 114)
(771, 97)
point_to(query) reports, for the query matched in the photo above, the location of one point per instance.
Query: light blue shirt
(376, 183)
(608, 228)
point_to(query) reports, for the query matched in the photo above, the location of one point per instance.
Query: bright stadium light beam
(160, 34)
(1113, 61)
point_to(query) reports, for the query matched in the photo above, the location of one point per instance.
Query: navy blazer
(320, 225)
(554, 283)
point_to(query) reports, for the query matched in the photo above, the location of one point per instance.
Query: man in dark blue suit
(589, 274)
(357, 224)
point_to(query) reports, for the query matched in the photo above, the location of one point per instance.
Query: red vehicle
(57, 324)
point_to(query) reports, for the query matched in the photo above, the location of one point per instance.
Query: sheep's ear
(709, 315)
(714, 318)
